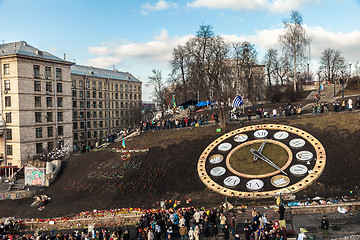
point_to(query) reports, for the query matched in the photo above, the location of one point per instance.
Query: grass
(242, 159)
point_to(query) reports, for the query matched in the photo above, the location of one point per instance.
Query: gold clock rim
(296, 187)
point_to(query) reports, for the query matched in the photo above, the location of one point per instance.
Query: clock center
(240, 160)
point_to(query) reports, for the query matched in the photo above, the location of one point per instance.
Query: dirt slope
(106, 180)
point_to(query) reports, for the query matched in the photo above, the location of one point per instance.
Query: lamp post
(319, 81)
(342, 83)
(334, 81)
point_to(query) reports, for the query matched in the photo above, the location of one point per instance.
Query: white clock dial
(255, 184)
(304, 156)
(261, 133)
(217, 171)
(241, 138)
(280, 181)
(225, 147)
(232, 181)
(215, 159)
(281, 135)
(299, 169)
(297, 143)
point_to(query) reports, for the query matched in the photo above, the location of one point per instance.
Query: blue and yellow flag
(173, 100)
(123, 142)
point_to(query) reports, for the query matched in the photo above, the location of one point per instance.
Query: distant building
(35, 103)
(103, 101)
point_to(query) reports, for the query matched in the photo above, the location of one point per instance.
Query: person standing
(281, 211)
(325, 226)
(249, 114)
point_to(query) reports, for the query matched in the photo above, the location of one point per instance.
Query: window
(74, 115)
(94, 85)
(74, 104)
(37, 86)
(81, 104)
(58, 74)
(50, 146)
(60, 116)
(6, 69)
(82, 136)
(75, 125)
(100, 85)
(87, 84)
(88, 114)
(50, 131)
(76, 136)
(7, 85)
(81, 83)
(82, 125)
(37, 116)
(81, 114)
(60, 102)
(101, 124)
(89, 134)
(100, 114)
(81, 94)
(87, 94)
(49, 116)
(60, 130)
(37, 101)
(8, 117)
(36, 71)
(100, 94)
(95, 134)
(59, 87)
(9, 150)
(49, 86)
(116, 86)
(74, 93)
(8, 134)
(116, 96)
(88, 104)
(88, 125)
(49, 102)
(73, 83)
(94, 94)
(94, 104)
(7, 101)
(121, 87)
(94, 114)
(47, 72)
(38, 132)
(121, 96)
(39, 148)
(100, 105)
(139, 88)
(117, 105)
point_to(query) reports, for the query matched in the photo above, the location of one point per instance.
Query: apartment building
(103, 102)
(35, 103)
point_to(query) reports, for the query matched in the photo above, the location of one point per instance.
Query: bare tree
(270, 60)
(159, 94)
(244, 56)
(332, 63)
(282, 69)
(295, 41)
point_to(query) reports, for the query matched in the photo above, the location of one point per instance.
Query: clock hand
(260, 150)
(265, 159)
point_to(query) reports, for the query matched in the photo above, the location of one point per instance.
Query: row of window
(49, 101)
(50, 131)
(37, 71)
(101, 95)
(99, 86)
(37, 86)
(90, 135)
(95, 104)
(101, 114)
(49, 117)
(39, 148)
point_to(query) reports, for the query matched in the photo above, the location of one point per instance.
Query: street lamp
(342, 83)
(319, 81)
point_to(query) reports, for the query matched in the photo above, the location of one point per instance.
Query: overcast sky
(137, 36)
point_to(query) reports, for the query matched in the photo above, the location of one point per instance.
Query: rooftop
(102, 73)
(24, 49)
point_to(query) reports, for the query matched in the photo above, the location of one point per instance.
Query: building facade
(48, 103)
(35, 102)
(103, 102)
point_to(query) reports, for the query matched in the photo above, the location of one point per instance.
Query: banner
(34, 176)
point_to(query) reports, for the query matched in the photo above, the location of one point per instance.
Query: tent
(204, 103)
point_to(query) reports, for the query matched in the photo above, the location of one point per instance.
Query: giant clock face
(261, 161)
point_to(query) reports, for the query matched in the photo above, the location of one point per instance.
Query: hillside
(107, 180)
